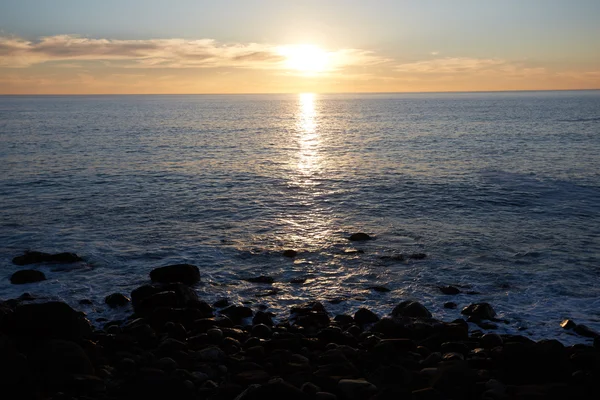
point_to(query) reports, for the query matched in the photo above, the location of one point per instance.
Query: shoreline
(176, 345)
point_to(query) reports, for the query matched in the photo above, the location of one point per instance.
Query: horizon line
(294, 93)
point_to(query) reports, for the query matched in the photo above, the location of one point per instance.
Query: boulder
(450, 290)
(290, 253)
(54, 361)
(380, 289)
(174, 295)
(27, 276)
(479, 311)
(237, 312)
(359, 237)
(36, 257)
(365, 316)
(116, 300)
(356, 389)
(184, 273)
(409, 308)
(52, 320)
(450, 304)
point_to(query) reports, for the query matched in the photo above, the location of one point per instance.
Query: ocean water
(500, 190)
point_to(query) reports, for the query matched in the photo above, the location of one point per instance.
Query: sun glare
(305, 58)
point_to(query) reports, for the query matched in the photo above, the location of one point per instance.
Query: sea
(500, 191)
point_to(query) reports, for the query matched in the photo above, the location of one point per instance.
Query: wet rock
(298, 281)
(116, 300)
(568, 324)
(290, 253)
(27, 276)
(251, 377)
(491, 340)
(344, 319)
(359, 237)
(35, 257)
(479, 311)
(184, 273)
(450, 290)
(365, 316)
(450, 305)
(260, 279)
(409, 308)
(261, 331)
(144, 298)
(237, 312)
(583, 330)
(356, 389)
(275, 389)
(380, 289)
(221, 303)
(262, 317)
(52, 320)
(417, 256)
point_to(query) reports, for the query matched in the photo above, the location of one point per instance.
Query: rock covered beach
(178, 346)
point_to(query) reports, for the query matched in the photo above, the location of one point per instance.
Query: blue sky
(561, 37)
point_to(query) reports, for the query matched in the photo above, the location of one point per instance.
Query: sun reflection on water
(308, 135)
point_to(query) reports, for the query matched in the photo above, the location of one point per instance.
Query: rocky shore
(176, 346)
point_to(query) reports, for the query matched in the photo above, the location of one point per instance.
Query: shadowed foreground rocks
(176, 346)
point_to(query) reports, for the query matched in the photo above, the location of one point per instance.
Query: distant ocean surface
(501, 191)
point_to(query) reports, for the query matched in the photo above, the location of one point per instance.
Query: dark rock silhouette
(479, 311)
(184, 273)
(411, 309)
(27, 276)
(450, 290)
(36, 257)
(116, 300)
(260, 279)
(359, 237)
(290, 253)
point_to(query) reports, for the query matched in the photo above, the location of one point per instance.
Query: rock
(298, 281)
(583, 330)
(251, 377)
(178, 295)
(417, 256)
(237, 312)
(27, 276)
(221, 303)
(116, 300)
(262, 317)
(450, 290)
(52, 320)
(261, 331)
(359, 237)
(260, 279)
(211, 354)
(36, 257)
(450, 304)
(568, 324)
(290, 253)
(479, 311)
(356, 389)
(380, 289)
(491, 340)
(365, 316)
(54, 361)
(274, 389)
(409, 308)
(184, 273)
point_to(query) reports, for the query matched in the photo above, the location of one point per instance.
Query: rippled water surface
(501, 191)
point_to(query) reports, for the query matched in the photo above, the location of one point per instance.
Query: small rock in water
(411, 309)
(27, 276)
(290, 253)
(260, 279)
(479, 311)
(417, 256)
(359, 237)
(450, 305)
(184, 273)
(35, 257)
(236, 312)
(116, 300)
(380, 289)
(450, 290)
(568, 324)
(297, 281)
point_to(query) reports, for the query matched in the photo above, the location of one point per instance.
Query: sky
(293, 46)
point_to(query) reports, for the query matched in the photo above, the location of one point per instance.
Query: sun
(305, 58)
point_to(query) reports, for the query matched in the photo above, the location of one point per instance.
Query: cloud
(453, 66)
(160, 53)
